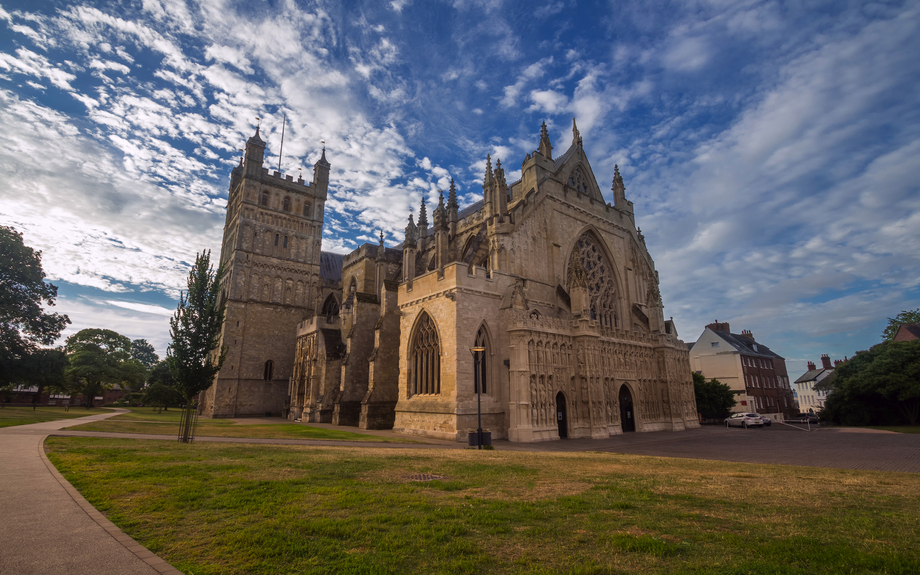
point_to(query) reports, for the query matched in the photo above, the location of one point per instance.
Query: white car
(744, 420)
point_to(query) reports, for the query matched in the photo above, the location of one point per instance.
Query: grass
(209, 508)
(146, 420)
(899, 428)
(10, 416)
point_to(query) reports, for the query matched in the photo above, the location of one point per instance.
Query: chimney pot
(811, 366)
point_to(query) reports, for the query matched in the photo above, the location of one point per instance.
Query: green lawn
(25, 415)
(211, 508)
(146, 420)
(899, 428)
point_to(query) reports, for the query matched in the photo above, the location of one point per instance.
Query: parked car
(744, 420)
(804, 418)
(766, 420)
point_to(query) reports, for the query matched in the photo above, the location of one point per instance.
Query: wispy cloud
(769, 148)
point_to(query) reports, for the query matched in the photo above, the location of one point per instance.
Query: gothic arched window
(287, 203)
(578, 181)
(269, 370)
(425, 359)
(330, 308)
(306, 210)
(599, 281)
(482, 340)
(264, 198)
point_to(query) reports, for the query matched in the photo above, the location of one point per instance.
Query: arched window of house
(264, 198)
(330, 308)
(269, 370)
(599, 280)
(287, 203)
(425, 358)
(482, 340)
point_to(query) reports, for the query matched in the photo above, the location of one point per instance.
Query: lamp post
(476, 363)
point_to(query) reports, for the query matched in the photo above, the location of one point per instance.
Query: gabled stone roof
(330, 266)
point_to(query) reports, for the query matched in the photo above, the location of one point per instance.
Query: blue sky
(770, 148)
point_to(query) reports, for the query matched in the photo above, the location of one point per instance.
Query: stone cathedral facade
(555, 283)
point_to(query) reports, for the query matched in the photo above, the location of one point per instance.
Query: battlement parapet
(286, 181)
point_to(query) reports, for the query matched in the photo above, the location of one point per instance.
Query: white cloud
(141, 307)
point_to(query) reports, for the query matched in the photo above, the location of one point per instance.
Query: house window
(715, 344)
(269, 370)
(425, 358)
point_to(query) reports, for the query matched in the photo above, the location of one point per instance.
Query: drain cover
(425, 477)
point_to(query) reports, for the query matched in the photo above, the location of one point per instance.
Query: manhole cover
(425, 477)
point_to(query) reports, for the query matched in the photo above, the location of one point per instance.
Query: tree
(24, 326)
(907, 316)
(195, 331)
(144, 353)
(876, 387)
(714, 399)
(44, 368)
(161, 389)
(99, 359)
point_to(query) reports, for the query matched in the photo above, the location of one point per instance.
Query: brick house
(755, 373)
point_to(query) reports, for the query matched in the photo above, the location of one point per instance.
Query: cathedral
(553, 285)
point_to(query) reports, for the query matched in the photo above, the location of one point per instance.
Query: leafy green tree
(714, 399)
(907, 316)
(876, 387)
(99, 359)
(145, 353)
(195, 331)
(161, 389)
(24, 325)
(44, 368)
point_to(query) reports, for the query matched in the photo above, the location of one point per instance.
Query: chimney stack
(826, 361)
(811, 366)
(716, 326)
(837, 363)
(747, 333)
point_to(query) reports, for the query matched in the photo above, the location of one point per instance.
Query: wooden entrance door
(561, 419)
(627, 415)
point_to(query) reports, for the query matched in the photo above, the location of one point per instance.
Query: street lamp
(477, 361)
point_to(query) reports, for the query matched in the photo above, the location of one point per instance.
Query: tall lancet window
(425, 359)
(578, 181)
(482, 340)
(599, 279)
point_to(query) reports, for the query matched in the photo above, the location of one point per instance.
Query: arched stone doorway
(561, 418)
(627, 414)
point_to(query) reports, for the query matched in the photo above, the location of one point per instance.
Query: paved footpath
(47, 527)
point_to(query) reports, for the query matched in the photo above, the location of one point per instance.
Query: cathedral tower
(271, 254)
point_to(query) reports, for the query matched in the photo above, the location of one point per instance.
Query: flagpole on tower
(281, 151)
